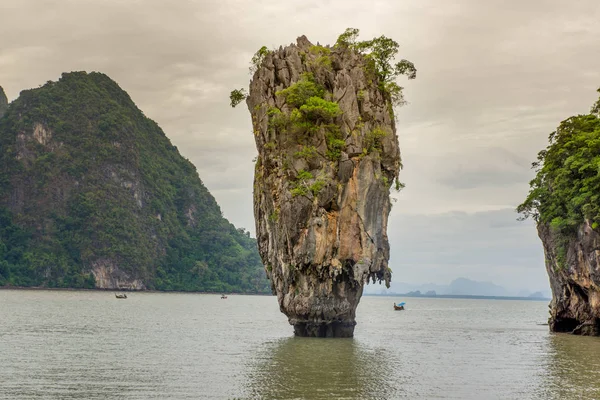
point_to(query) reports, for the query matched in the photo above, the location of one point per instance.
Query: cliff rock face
(563, 200)
(575, 306)
(93, 194)
(3, 102)
(322, 180)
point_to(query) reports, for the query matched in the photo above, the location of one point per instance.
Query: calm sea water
(89, 345)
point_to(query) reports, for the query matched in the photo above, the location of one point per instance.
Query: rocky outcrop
(322, 181)
(575, 305)
(563, 200)
(3, 102)
(108, 276)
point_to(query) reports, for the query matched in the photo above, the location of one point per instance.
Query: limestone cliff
(328, 154)
(93, 194)
(3, 102)
(564, 202)
(575, 305)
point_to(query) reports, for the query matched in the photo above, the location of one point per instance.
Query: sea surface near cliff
(89, 345)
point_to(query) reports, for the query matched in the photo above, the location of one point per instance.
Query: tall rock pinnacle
(328, 154)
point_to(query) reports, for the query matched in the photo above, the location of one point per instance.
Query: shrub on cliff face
(309, 109)
(380, 53)
(318, 109)
(335, 143)
(301, 186)
(307, 152)
(237, 96)
(300, 92)
(566, 188)
(323, 56)
(373, 139)
(258, 58)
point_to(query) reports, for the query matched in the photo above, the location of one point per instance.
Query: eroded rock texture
(575, 306)
(321, 188)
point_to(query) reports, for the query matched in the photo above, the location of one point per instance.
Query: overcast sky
(494, 79)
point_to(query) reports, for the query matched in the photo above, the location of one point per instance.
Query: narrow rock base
(335, 329)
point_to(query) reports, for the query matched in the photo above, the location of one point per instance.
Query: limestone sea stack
(327, 156)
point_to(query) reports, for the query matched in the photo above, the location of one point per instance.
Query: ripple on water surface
(88, 345)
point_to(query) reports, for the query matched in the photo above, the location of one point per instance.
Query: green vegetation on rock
(380, 53)
(307, 152)
(373, 139)
(335, 143)
(323, 56)
(88, 183)
(301, 186)
(258, 58)
(310, 113)
(318, 109)
(300, 92)
(237, 96)
(308, 108)
(566, 189)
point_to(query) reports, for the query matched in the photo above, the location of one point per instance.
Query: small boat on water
(120, 295)
(400, 306)
(223, 296)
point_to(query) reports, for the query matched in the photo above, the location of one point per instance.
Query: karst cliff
(575, 306)
(328, 154)
(564, 202)
(94, 195)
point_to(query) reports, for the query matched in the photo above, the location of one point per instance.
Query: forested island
(328, 155)
(94, 195)
(564, 201)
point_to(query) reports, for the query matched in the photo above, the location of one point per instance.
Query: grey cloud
(470, 179)
(485, 246)
(492, 166)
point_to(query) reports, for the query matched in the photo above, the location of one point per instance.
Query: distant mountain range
(458, 287)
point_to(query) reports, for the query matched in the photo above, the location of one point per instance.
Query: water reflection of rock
(574, 367)
(305, 368)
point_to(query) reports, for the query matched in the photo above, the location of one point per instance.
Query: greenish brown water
(89, 345)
